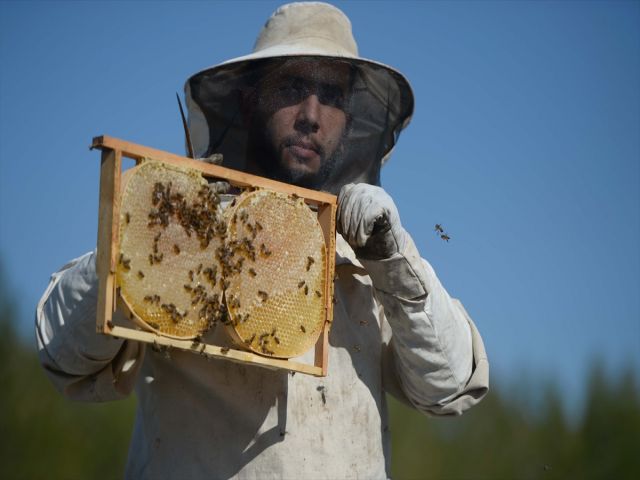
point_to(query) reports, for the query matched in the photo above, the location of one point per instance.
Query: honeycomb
(274, 267)
(170, 223)
(185, 265)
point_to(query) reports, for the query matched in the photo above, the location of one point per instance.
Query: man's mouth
(303, 150)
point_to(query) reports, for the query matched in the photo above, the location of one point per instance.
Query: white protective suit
(200, 418)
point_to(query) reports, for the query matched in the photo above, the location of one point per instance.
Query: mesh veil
(378, 103)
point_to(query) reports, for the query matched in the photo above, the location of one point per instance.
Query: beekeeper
(306, 109)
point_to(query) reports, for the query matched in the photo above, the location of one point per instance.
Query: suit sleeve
(434, 357)
(82, 364)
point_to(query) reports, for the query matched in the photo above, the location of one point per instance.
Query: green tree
(45, 435)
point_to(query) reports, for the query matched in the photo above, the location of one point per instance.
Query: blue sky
(525, 145)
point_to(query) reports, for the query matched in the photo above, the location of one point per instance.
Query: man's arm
(81, 363)
(438, 354)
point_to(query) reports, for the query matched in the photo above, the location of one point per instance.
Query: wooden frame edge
(113, 150)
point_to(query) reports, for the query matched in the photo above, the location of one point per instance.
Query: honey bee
(127, 217)
(125, 262)
(191, 275)
(304, 330)
(140, 274)
(310, 261)
(110, 324)
(258, 225)
(301, 284)
(264, 250)
(176, 249)
(154, 325)
(188, 287)
(263, 295)
(445, 237)
(306, 289)
(356, 348)
(439, 228)
(199, 269)
(252, 272)
(224, 350)
(318, 294)
(250, 340)
(273, 332)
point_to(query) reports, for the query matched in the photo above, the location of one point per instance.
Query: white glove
(369, 221)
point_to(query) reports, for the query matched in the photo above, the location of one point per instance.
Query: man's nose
(309, 114)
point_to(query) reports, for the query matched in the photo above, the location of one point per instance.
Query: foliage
(504, 438)
(43, 434)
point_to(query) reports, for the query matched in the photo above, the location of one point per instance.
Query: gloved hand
(369, 221)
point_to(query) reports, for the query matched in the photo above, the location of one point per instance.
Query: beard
(270, 159)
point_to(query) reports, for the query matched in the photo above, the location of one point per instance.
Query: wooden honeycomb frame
(109, 298)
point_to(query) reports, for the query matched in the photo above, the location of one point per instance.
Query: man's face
(301, 114)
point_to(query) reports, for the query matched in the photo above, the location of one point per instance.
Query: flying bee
(439, 228)
(263, 295)
(445, 237)
(304, 330)
(310, 261)
(356, 348)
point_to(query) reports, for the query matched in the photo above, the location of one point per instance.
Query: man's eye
(332, 95)
(290, 92)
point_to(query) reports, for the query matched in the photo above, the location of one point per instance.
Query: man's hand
(369, 221)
